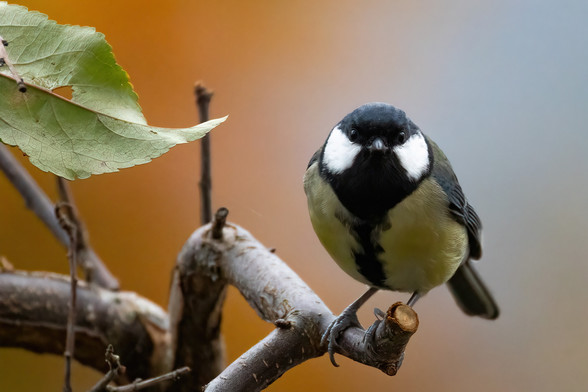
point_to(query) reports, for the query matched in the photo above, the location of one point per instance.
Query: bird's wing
(314, 158)
(459, 207)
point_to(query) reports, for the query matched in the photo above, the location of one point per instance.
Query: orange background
(500, 85)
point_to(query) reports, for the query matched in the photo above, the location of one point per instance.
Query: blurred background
(502, 86)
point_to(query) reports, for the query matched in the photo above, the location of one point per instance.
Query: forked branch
(279, 296)
(38, 202)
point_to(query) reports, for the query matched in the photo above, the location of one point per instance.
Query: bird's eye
(353, 134)
(401, 137)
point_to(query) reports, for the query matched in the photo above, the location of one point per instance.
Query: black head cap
(377, 119)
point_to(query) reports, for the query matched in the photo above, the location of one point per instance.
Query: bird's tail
(471, 293)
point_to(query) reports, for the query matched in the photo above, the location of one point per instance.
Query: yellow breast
(422, 244)
(325, 211)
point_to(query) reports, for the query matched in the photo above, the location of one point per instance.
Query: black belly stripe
(367, 260)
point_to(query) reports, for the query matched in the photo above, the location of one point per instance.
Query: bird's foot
(370, 332)
(347, 319)
(379, 313)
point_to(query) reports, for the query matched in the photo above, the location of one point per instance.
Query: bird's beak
(377, 145)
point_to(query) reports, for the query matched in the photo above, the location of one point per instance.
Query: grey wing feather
(315, 157)
(467, 287)
(459, 207)
(466, 214)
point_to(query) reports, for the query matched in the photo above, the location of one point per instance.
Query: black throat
(371, 187)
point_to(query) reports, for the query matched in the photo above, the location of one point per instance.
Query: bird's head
(375, 151)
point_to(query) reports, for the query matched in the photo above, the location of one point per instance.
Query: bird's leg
(347, 318)
(413, 298)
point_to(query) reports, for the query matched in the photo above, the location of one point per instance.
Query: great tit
(387, 206)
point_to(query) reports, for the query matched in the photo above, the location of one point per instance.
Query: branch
(34, 197)
(67, 219)
(37, 201)
(195, 309)
(203, 97)
(33, 314)
(281, 297)
(116, 369)
(86, 257)
(142, 384)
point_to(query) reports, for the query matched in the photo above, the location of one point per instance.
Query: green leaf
(101, 129)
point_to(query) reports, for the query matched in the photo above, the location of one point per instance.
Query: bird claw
(371, 331)
(344, 321)
(379, 313)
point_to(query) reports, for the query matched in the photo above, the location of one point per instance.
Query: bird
(387, 206)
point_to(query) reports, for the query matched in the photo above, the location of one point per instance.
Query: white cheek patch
(339, 152)
(414, 156)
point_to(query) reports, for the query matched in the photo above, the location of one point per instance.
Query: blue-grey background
(502, 86)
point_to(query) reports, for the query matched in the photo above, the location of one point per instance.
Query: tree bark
(33, 316)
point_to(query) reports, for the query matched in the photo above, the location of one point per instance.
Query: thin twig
(34, 197)
(66, 197)
(5, 60)
(140, 384)
(116, 369)
(220, 219)
(203, 97)
(83, 249)
(37, 201)
(64, 211)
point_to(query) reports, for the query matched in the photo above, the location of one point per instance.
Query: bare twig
(115, 370)
(41, 205)
(64, 212)
(203, 97)
(65, 196)
(87, 259)
(220, 219)
(140, 384)
(5, 60)
(34, 197)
